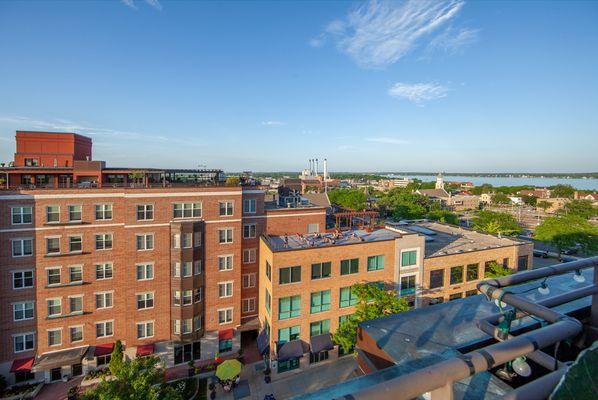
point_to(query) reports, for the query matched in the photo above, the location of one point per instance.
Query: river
(583, 184)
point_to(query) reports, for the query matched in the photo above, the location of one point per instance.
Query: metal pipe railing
(539, 389)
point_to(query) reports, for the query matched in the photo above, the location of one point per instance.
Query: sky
(454, 86)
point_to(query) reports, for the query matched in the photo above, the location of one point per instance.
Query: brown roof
(440, 193)
(317, 199)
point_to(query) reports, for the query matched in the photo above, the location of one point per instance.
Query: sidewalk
(57, 390)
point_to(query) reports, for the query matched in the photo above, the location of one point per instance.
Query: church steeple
(439, 181)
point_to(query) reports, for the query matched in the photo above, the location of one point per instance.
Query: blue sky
(263, 86)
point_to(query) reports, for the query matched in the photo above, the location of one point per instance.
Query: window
(408, 285)
(197, 295)
(196, 239)
(522, 263)
(375, 263)
(22, 279)
(104, 271)
(225, 345)
(54, 307)
(145, 329)
(289, 275)
(104, 329)
(472, 272)
(103, 211)
(75, 213)
(349, 266)
(176, 241)
(104, 241)
(52, 214)
(22, 311)
(487, 265)
(187, 297)
(225, 316)
(344, 318)
(268, 271)
(320, 301)
(225, 263)
(226, 208)
(313, 228)
(505, 262)
(249, 231)
(248, 305)
(76, 273)
(436, 278)
(187, 270)
(53, 276)
(75, 244)
(456, 275)
(225, 235)
(268, 302)
(319, 327)
(187, 326)
(53, 245)
(248, 280)
(249, 256)
(103, 360)
(197, 323)
(145, 212)
(176, 298)
(197, 267)
(22, 247)
(23, 342)
(408, 258)
(145, 271)
(76, 333)
(289, 307)
(31, 162)
(145, 241)
(347, 297)
(187, 210)
(455, 296)
(76, 304)
(225, 289)
(187, 240)
(470, 293)
(21, 215)
(321, 270)
(289, 334)
(54, 337)
(145, 300)
(104, 300)
(249, 206)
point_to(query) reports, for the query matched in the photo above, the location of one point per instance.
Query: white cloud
(452, 40)
(418, 93)
(273, 123)
(386, 140)
(379, 33)
(153, 3)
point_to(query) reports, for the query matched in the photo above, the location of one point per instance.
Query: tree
(530, 200)
(581, 208)
(543, 204)
(137, 379)
(496, 223)
(116, 358)
(372, 302)
(443, 216)
(232, 181)
(355, 199)
(484, 188)
(403, 204)
(566, 191)
(500, 198)
(496, 270)
(567, 231)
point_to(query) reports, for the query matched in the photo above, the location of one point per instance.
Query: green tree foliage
(581, 208)
(372, 302)
(496, 223)
(567, 231)
(484, 188)
(500, 198)
(443, 216)
(401, 203)
(530, 200)
(543, 204)
(116, 358)
(354, 199)
(566, 191)
(496, 270)
(233, 181)
(137, 379)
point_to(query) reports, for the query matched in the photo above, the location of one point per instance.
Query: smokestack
(317, 167)
(325, 169)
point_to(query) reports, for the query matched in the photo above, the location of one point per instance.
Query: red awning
(22, 364)
(145, 350)
(225, 334)
(103, 349)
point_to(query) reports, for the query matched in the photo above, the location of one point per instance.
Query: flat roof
(312, 241)
(444, 239)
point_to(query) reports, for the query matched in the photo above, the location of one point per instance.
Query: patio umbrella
(228, 370)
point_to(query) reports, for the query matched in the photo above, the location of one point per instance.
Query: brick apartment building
(164, 260)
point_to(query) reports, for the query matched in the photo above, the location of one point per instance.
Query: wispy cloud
(386, 140)
(153, 3)
(347, 147)
(379, 33)
(453, 40)
(418, 93)
(273, 123)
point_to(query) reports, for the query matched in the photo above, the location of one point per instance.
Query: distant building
(516, 200)
(593, 197)
(486, 198)
(537, 193)
(555, 204)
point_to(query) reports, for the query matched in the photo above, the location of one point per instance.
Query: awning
(263, 342)
(59, 359)
(103, 349)
(290, 350)
(22, 365)
(226, 334)
(321, 343)
(250, 325)
(145, 350)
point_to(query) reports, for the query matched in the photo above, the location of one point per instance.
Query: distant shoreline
(564, 175)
